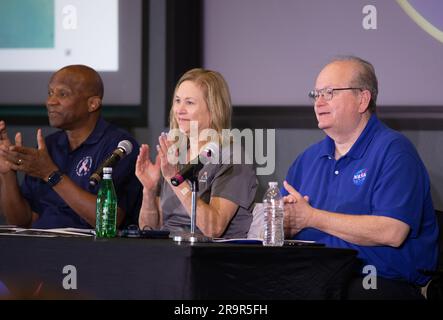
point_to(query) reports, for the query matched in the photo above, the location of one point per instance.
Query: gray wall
(289, 142)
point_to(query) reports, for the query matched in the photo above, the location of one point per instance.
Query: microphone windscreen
(126, 145)
(209, 152)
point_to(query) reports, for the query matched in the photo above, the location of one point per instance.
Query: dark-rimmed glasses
(327, 93)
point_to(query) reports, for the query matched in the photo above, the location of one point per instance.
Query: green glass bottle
(106, 209)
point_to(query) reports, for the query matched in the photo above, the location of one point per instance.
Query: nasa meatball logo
(360, 177)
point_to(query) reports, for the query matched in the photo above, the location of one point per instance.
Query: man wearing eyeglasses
(363, 187)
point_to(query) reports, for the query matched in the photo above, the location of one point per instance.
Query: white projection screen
(37, 37)
(271, 51)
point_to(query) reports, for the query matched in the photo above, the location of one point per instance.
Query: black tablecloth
(161, 269)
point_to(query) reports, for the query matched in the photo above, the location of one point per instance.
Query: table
(122, 268)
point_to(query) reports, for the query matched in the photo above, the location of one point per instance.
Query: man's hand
(34, 162)
(298, 212)
(5, 144)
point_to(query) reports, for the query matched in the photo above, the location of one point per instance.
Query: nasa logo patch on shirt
(359, 177)
(84, 166)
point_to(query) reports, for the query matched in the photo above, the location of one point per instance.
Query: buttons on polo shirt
(336, 172)
(330, 158)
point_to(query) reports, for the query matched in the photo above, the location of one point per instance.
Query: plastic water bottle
(106, 209)
(273, 216)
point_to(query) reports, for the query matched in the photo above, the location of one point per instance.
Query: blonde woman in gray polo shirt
(201, 102)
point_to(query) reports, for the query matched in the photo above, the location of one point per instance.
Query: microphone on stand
(191, 169)
(123, 149)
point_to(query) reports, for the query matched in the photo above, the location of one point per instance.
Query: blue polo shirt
(78, 165)
(382, 175)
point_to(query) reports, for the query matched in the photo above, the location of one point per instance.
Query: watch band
(55, 178)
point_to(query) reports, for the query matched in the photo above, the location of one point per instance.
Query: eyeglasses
(327, 93)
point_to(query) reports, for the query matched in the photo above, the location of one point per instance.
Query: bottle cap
(273, 184)
(107, 170)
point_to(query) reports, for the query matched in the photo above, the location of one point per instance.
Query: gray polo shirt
(234, 182)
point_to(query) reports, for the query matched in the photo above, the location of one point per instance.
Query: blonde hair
(216, 95)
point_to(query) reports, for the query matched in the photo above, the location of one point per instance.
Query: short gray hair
(365, 78)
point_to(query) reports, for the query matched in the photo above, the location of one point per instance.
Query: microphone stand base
(192, 238)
